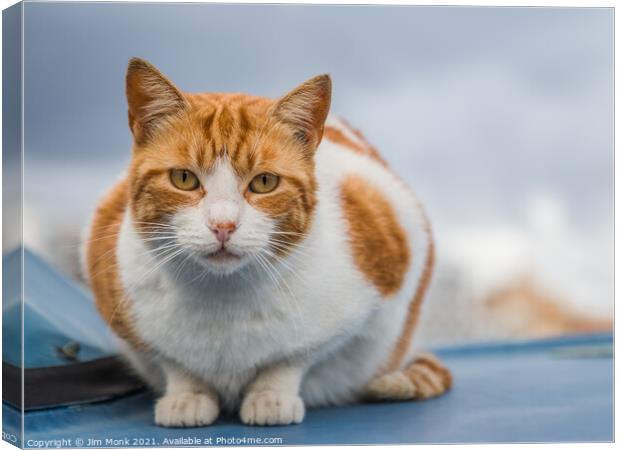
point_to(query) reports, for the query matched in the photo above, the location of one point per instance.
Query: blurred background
(500, 118)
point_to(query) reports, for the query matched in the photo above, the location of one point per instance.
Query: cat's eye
(184, 179)
(264, 183)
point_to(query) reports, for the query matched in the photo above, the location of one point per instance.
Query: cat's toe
(186, 409)
(272, 408)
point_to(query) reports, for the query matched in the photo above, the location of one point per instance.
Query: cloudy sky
(500, 118)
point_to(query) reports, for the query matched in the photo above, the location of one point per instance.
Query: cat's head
(223, 179)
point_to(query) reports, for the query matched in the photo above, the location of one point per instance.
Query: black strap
(83, 382)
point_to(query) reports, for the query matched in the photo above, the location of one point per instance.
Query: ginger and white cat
(260, 256)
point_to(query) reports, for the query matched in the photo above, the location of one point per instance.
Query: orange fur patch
(336, 136)
(529, 311)
(378, 241)
(102, 264)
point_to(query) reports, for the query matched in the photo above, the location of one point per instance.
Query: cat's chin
(222, 262)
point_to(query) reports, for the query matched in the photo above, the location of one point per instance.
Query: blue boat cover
(56, 312)
(556, 390)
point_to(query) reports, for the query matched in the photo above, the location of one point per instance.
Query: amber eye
(263, 183)
(184, 179)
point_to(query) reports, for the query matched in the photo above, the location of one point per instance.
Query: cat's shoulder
(339, 132)
(384, 222)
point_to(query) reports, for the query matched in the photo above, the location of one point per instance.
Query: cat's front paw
(186, 409)
(272, 408)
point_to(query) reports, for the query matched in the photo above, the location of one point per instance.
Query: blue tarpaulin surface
(555, 390)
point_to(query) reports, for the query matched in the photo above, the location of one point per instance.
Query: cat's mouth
(222, 255)
(221, 261)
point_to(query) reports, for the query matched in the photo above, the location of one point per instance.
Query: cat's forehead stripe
(228, 123)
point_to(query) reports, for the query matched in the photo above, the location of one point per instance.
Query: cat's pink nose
(223, 230)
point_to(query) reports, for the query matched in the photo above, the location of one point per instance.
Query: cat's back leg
(425, 377)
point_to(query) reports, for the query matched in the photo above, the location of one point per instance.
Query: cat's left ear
(304, 110)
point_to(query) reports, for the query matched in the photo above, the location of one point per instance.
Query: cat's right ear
(151, 98)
